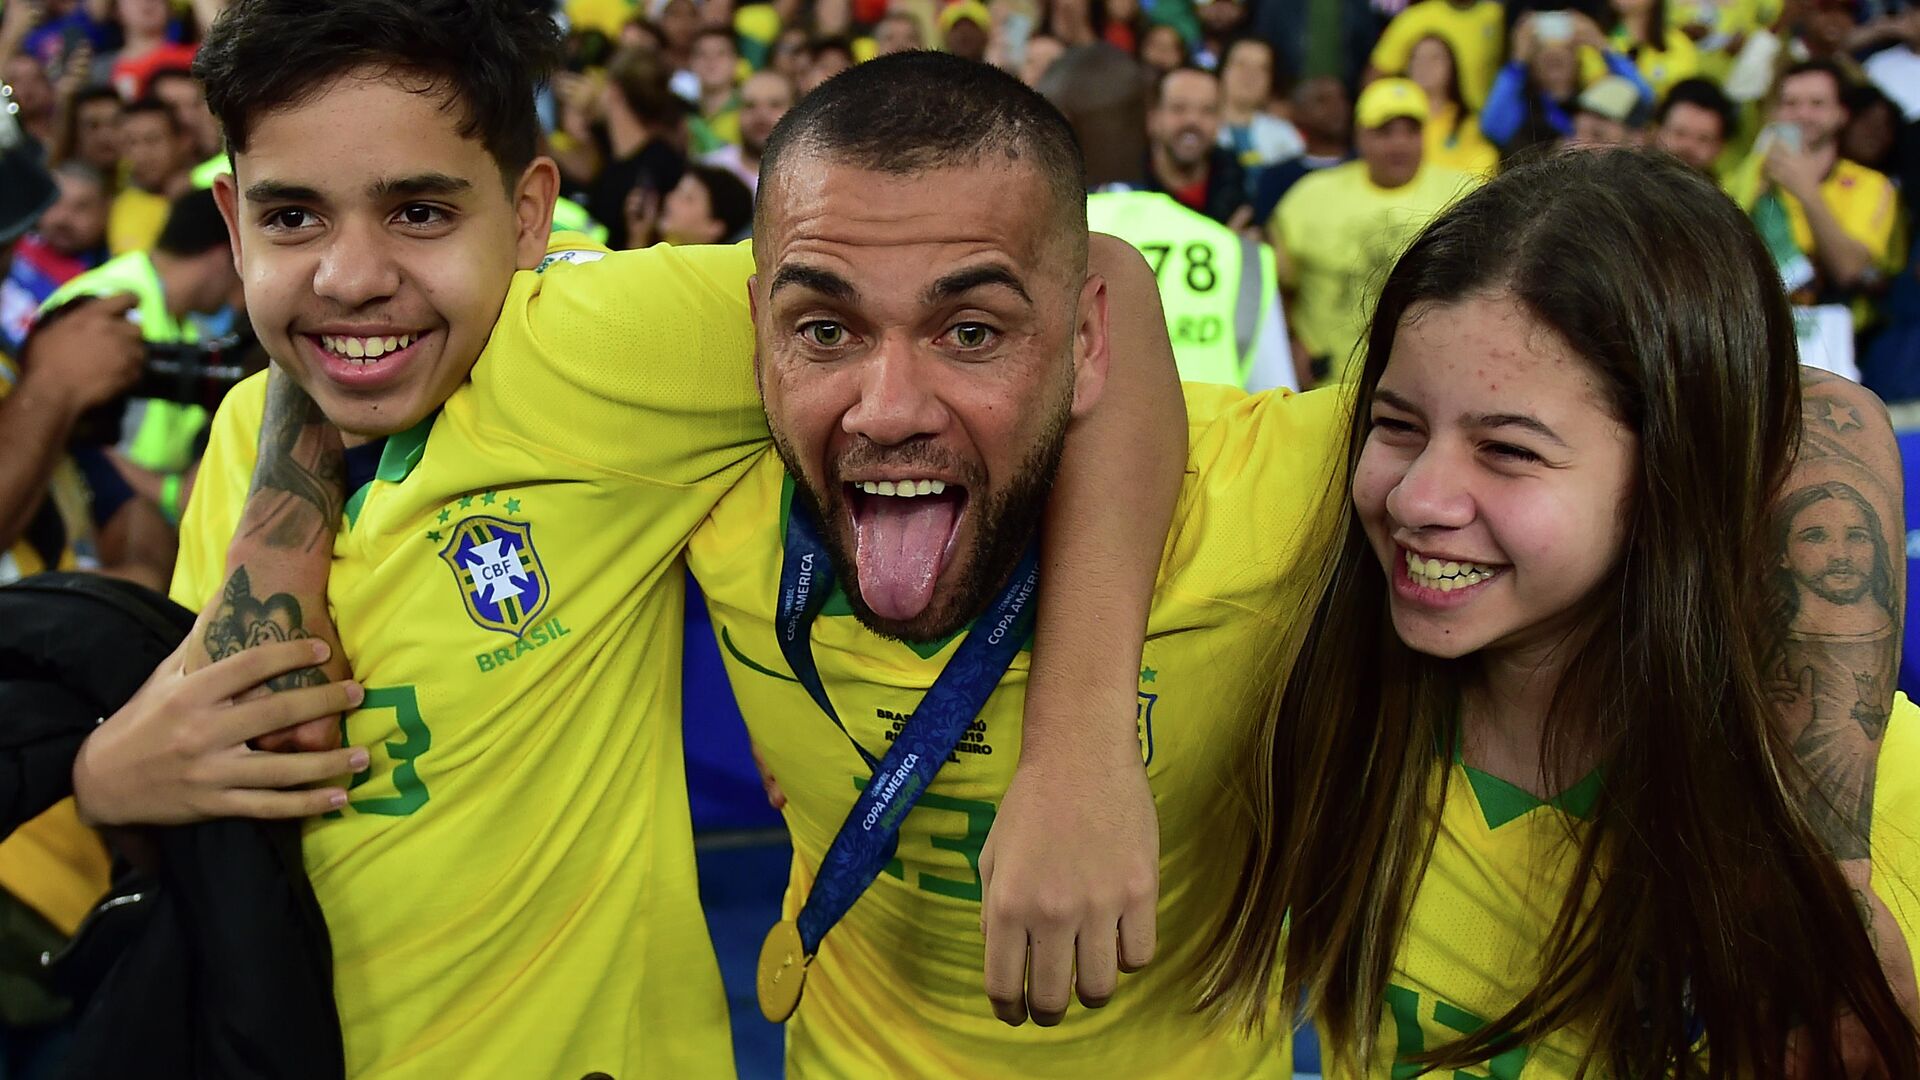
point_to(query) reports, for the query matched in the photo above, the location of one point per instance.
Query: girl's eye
(1510, 452)
(827, 335)
(1392, 425)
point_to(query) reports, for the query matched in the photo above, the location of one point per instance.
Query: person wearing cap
(69, 239)
(965, 29)
(1533, 99)
(1338, 229)
(1611, 112)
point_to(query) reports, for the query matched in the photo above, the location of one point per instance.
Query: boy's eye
(287, 218)
(419, 214)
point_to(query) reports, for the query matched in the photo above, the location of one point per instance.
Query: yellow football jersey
(1487, 903)
(897, 987)
(511, 889)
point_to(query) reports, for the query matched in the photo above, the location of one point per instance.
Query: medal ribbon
(866, 840)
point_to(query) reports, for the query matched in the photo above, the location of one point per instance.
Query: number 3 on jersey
(963, 825)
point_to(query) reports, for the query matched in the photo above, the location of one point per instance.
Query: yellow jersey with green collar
(1485, 908)
(896, 988)
(511, 888)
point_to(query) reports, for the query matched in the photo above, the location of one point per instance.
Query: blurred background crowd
(1290, 147)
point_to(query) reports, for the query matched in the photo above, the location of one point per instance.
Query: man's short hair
(912, 112)
(1819, 67)
(716, 32)
(194, 225)
(163, 75)
(153, 106)
(75, 169)
(486, 56)
(91, 94)
(1701, 94)
(1159, 87)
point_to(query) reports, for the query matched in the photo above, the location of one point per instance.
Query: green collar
(837, 602)
(1502, 801)
(398, 458)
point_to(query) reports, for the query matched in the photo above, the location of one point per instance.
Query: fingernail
(320, 650)
(358, 759)
(337, 800)
(355, 693)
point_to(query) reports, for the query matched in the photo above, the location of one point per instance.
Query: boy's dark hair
(728, 198)
(486, 56)
(916, 111)
(1701, 94)
(194, 225)
(153, 106)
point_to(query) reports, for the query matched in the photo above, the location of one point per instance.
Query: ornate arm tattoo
(242, 620)
(299, 481)
(285, 536)
(1836, 593)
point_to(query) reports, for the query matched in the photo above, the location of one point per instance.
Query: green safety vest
(215, 167)
(1215, 284)
(570, 216)
(160, 435)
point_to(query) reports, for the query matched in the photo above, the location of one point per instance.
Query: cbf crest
(500, 576)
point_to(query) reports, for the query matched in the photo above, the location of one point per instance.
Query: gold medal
(783, 972)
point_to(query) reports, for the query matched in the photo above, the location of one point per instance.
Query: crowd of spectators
(1327, 130)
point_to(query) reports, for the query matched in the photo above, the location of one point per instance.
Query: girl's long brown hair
(1700, 899)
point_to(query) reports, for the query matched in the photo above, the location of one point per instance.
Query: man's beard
(1825, 584)
(1006, 522)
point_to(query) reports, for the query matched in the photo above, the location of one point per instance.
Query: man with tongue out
(927, 333)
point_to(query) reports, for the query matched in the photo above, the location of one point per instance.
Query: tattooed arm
(1837, 576)
(278, 563)
(258, 671)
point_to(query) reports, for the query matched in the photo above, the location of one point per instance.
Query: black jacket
(212, 959)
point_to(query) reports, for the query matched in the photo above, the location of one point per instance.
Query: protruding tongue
(901, 545)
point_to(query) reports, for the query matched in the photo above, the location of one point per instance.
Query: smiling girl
(1547, 821)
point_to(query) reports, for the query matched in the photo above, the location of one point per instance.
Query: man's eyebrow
(825, 282)
(432, 183)
(1518, 420)
(962, 281)
(276, 191)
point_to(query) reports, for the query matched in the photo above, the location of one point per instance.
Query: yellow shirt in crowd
(1674, 60)
(135, 220)
(1455, 142)
(896, 989)
(1867, 207)
(1340, 233)
(1477, 31)
(511, 887)
(1486, 907)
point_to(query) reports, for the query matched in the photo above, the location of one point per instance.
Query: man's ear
(533, 199)
(1091, 355)
(226, 195)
